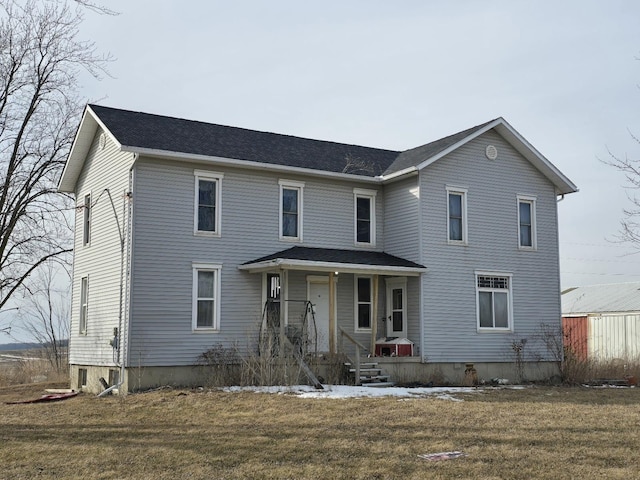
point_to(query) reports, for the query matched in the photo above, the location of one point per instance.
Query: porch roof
(334, 260)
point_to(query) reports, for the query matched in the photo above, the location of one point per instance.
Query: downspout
(119, 340)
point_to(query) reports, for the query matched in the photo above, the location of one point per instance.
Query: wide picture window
(494, 302)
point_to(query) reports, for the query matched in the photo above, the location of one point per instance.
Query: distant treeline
(26, 346)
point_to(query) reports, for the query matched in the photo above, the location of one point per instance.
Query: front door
(318, 295)
(397, 307)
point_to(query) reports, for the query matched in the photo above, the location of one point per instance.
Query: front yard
(537, 432)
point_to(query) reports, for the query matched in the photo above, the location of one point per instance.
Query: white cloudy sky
(399, 74)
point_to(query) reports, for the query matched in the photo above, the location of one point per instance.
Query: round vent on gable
(103, 140)
(491, 152)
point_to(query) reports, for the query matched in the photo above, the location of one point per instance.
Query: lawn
(537, 432)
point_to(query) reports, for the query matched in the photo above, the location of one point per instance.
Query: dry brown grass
(28, 370)
(557, 433)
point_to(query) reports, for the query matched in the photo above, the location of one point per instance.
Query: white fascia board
(399, 173)
(517, 141)
(457, 145)
(289, 264)
(80, 148)
(150, 152)
(562, 183)
(104, 128)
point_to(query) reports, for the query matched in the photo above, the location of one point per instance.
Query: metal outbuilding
(602, 322)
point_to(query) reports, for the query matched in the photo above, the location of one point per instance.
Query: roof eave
(249, 164)
(292, 264)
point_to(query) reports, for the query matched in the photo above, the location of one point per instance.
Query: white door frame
(324, 279)
(393, 284)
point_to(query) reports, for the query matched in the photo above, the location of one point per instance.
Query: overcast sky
(400, 74)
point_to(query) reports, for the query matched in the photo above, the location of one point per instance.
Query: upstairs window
(363, 303)
(457, 215)
(84, 305)
(526, 222)
(291, 210)
(207, 202)
(494, 301)
(86, 220)
(365, 216)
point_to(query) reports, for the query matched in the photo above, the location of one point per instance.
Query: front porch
(326, 302)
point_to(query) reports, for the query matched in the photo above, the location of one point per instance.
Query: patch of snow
(345, 391)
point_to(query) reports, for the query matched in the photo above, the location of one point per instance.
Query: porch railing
(359, 348)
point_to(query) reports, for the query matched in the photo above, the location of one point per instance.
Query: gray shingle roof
(336, 255)
(156, 132)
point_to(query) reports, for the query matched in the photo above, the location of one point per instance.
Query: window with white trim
(86, 220)
(456, 215)
(365, 216)
(526, 222)
(291, 210)
(494, 301)
(207, 204)
(363, 303)
(206, 295)
(84, 305)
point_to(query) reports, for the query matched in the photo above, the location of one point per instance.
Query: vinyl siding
(165, 247)
(449, 296)
(401, 231)
(105, 168)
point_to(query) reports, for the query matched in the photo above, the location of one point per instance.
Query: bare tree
(630, 223)
(40, 59)
(44, 313)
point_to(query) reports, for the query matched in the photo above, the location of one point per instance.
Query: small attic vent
(491, 152)
(102, 141)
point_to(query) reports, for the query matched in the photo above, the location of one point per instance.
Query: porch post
(332, 315)
(374, 316)
(284, 280)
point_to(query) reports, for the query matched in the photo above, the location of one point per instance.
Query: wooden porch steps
(371, 375)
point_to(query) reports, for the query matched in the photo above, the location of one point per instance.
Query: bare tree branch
(40, 59)
(630, 224)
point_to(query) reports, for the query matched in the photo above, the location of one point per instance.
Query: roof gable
(421, 157)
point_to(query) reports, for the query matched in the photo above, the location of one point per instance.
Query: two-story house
(190, 235)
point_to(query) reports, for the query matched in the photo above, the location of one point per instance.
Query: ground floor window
(363, 303)
(206, 295)
(82, 378)
(494, 301)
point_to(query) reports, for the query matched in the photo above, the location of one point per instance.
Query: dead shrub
(221, 366)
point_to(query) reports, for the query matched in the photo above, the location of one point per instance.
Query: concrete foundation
(400, 370)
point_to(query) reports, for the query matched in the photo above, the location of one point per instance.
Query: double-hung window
(363, 303)
(365, 216)
(494, 301)
(206, 297)
(84, 305)
(291, 210)
(526, 222)
(457, 215)
(86, 220)
(207, 209)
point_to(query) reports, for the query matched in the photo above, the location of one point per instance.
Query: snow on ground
(345, 391)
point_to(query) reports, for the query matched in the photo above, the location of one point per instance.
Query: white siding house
(183, 227)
